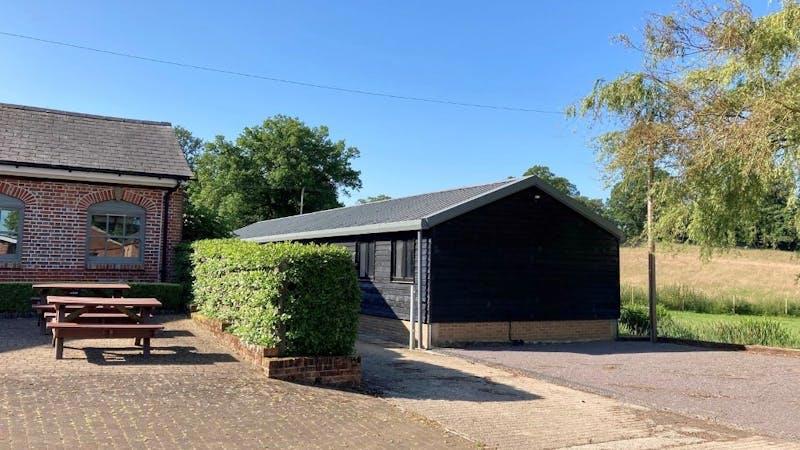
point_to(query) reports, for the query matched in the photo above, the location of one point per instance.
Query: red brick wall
(54, 230)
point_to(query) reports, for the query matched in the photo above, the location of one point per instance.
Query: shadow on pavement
(388, 370)
(178, 355)
(597, 348)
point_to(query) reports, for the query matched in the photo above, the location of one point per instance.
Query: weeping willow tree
(716, 105)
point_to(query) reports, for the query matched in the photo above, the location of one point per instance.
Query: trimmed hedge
(15, 297)
(303, 299)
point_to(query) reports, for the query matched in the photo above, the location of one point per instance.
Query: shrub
(15, 297)
(169, 294)
(635, 319)
(301, 298)
(183, 270)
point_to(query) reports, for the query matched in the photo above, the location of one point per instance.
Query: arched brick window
(11, 210)
(115, 233)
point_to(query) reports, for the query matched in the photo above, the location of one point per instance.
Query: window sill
(10, 265)
(401, 281)
(114, 266)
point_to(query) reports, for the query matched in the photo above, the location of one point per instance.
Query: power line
(279, 80)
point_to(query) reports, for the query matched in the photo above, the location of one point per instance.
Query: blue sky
(525, 54)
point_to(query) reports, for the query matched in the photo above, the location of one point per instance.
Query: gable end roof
(413, 213)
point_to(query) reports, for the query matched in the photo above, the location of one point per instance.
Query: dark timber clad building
(513, 260)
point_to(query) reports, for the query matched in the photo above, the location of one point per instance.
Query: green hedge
(300, 298)
(15, 297)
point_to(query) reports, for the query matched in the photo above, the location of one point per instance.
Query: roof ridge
(84, 115)
(507, 180)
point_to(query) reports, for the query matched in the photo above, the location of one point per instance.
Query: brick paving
(504, 409)
(191, 393)
(748, 390)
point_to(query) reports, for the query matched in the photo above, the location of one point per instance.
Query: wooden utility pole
(651, 249)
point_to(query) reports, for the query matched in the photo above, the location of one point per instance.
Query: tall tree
(717, 106)
(567, 187)
(191, 145)
(560, 183)
(270, 169)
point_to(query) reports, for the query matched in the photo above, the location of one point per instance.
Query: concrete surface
(746, 390)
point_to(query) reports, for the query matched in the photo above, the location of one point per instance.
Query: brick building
(85, 197)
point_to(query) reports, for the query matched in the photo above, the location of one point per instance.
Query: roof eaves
(408, 225)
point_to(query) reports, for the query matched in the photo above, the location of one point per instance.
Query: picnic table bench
(78, 317)
(43, 289)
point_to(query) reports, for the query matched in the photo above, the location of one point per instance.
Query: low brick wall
(445, 334)
(330, 370)
(530, 331)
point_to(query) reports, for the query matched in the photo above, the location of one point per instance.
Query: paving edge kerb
(327, 370)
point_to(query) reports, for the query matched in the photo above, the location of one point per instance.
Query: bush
(635, 319)
(303, 299)
(169, 294)
(15, 297)
(183, 270)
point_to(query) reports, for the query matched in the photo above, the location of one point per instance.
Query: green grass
(734, 329)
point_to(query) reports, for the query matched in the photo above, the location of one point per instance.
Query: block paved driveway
(504, 409)
(748, 390)
(191, 393)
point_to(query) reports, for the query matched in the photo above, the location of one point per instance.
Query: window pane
(116, 225)
(131, 248)
(9, 231)
(113, 248)
(132, 226)
(397, 264)
(410, 259)
(363, 259)
(97, 245)
(99, 223)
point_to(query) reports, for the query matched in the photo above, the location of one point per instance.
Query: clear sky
(528, 54)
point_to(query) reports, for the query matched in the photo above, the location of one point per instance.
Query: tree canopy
(560, 183)
(264, 173)
(716, 106)
(372, 199)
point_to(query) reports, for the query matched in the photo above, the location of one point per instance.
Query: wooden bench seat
(96, 317)
(72, 330)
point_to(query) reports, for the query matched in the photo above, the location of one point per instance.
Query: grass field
(702, 325)
(760, 286)
(752, 275)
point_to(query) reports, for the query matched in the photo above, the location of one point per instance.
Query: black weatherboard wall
(524, 257)
(381, 295)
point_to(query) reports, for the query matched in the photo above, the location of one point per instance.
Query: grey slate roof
(402, 214)
(49, 138)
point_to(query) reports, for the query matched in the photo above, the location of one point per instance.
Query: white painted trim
(86, 176)
(409, 225)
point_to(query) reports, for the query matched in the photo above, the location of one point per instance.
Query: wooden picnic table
(43, 289)
(70, 310)
(116, 288)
